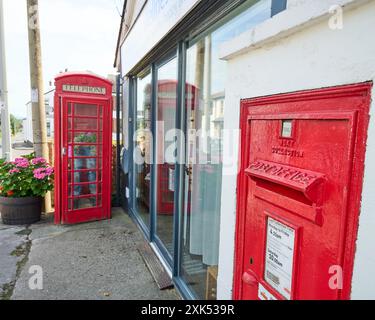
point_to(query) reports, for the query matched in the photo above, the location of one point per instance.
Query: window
(143, 148)
(166, 108)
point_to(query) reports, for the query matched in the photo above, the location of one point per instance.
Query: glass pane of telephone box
(88, 110)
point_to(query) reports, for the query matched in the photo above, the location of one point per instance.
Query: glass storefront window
(143, 151)
(204, 114)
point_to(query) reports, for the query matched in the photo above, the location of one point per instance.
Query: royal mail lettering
(287, 152)
(272, 171)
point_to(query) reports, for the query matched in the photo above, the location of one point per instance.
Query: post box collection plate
(299, 187)
(280, 252)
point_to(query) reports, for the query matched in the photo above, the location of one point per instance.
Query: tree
(15, 124)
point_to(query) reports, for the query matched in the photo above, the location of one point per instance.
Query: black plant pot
(20, 211)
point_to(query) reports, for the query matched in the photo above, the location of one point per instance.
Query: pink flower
(14, 171)
(49, 171)
(42, 173)
(39, 173)
(21, 163)
(40, 176)
(38, 161)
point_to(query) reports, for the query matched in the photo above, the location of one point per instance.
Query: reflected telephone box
(83, 148)
(166, 101)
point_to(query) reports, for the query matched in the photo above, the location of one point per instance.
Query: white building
(28, 124)
(282, 208)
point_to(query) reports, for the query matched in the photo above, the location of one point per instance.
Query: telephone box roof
(82, 74)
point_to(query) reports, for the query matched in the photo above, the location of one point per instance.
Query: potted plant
(23, 184)
(85, 138)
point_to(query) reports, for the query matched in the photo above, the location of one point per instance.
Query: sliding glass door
(154, 155)
(166, 109)
(143, 149)
(201, 220)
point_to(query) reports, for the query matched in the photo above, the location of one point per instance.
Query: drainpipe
(118, 140)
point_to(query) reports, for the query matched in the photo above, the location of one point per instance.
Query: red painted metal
(309, 183)
(83, 148)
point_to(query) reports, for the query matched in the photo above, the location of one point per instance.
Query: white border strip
(297, 17)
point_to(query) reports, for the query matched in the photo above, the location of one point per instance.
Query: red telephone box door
(83, 149)
(85, 170)
(299, 193)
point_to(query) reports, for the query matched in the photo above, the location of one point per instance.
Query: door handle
(189, 170)
(250, 278)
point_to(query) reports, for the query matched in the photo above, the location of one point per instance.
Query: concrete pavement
(18, 146)
(98, 261)
(13, 248)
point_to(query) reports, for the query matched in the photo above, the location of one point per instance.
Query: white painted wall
(28, 122)
(313, 56)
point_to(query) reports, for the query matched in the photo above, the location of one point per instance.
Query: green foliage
(15, 124)
(30, 156)
(25, 177)
(86, 137)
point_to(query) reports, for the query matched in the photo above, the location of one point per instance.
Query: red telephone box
(83, 147)
(300, 185)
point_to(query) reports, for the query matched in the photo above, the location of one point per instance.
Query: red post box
(299, 191)
(83, 148)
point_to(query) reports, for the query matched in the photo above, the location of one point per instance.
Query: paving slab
(92, 261)
(13, 250)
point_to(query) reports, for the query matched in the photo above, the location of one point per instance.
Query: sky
(78, 35)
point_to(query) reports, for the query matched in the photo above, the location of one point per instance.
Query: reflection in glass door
(201, 221)
(143, 151)
(166, 101)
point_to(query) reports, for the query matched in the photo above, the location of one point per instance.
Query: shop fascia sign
(155, 20)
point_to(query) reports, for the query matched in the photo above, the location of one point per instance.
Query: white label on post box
(279, 257)
(264, 294)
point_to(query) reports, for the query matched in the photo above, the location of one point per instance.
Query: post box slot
(309, 212)
(280, 190)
